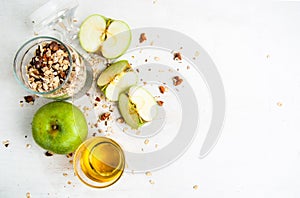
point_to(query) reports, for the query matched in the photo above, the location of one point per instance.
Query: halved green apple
(120, 83)
(100, 34)
(137, 106)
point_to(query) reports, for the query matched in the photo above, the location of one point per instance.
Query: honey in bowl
(99, 162)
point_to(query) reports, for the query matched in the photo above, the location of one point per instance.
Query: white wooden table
(256, 49)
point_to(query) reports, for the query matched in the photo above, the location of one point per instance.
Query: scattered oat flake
(100, 130)
(5, 143)
(148, 173)
(268, 56)
(48, 153)
(156, 145)
(65, 174)
(28, 195)
(160, 103)
(120, 120)
(75, 20)
(143, 37)
(195, 187)
(28, 145)
(151, 181)
(104, 106)
(197, 53)
(279, 104)
(156, 58)
(177, 56)
(146, 141)
(35, 33)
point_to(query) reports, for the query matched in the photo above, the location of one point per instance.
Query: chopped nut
(48, 153)
(162, 89)
(177, 80)
(28, 195)
(148, 173)
(195, 187)
(69, 155)
(143, 37)
(187, 67)
(65, 174)
(98, 99)
(28, 146)
(146, 141)
(160, 103)
(177, 56)
(5, 143)
(104, 116)
(29, 99)
(69, 182)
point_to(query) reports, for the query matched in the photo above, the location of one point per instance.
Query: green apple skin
(59, 127)
(127, 111)
(112, 71)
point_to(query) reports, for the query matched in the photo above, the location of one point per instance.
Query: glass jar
(47, 67)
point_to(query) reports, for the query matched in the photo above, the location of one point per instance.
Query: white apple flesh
(146, 105)
(120, 83)
(91, 31)
(110, 37)
(118, 40)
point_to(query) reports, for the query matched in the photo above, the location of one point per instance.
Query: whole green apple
(59, 127)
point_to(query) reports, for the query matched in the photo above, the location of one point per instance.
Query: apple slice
(128, 112)
(91, 34)
(120, 83)
(112, 71)
(117, 41)
(145, 104)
